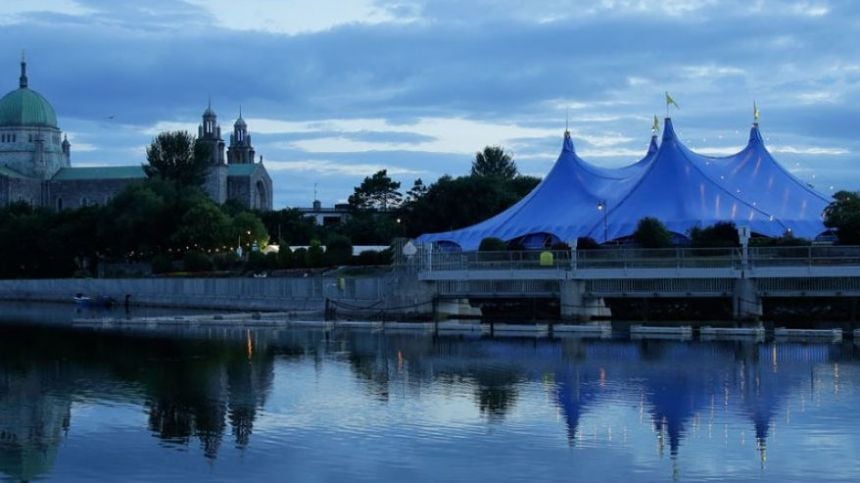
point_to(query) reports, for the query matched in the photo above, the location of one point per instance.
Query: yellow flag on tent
(656, 126)
(756, 112)
(670, 101)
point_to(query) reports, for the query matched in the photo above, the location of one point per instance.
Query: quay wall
(314, 294)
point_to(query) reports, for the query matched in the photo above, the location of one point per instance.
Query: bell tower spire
(23, 79)
(240, 150)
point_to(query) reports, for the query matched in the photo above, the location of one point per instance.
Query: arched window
(59, 204)
(84, 201)
(260, 199)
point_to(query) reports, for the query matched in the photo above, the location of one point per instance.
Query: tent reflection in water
(672, 183)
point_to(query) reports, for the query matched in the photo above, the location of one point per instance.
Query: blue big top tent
(756, 177)
(680, 188)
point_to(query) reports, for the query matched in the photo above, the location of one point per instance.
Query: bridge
(581, 279)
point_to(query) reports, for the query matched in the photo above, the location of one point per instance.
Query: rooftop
(101, 172)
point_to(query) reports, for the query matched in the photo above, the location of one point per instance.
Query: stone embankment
(381, 295)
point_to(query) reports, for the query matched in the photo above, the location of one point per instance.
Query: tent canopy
(680, 188)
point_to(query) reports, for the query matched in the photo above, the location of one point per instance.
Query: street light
(601, 206)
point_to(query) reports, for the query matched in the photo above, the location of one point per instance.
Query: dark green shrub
(194, 261)
(271, 262)
(338, 250)
(300, 258)
(316, 255)
(786, 240)
(491, 244)
(652, 233)
(285, 257)
(225, 260)
(256, 261)
(385, 257)
(718, 235)
(367, 257)
(162, 263)
(843, 215)
(586, 243)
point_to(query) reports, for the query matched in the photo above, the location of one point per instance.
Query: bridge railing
(638, 258)
(832, 255)
(501, 260)
(668, 258)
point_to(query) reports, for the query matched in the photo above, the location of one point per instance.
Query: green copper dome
(26, 107)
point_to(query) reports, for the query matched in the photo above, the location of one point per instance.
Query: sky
(334, 91)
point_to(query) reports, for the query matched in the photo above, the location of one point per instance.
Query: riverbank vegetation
(167, 222)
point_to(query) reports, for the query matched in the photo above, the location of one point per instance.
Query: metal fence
(804, 256)
(504, 260)
(627, 258)
(636, 258)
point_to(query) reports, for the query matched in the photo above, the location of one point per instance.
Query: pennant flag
(656, 126)
(670, 101)
(756, 113)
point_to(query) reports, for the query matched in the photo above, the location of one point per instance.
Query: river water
(308, 405)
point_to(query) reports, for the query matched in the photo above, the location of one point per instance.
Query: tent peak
(755, 135)
(668, 130)
(652, 147)
(568, 142)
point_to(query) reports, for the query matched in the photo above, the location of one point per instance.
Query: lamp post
(601, 206)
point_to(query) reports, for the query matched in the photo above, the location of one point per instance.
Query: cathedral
(35, 160)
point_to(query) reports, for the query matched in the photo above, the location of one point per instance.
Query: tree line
(168, 221)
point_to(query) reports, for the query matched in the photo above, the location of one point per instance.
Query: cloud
(299, 16)
(16, 11)
(419, 85)
(332, 168)
(810, 150)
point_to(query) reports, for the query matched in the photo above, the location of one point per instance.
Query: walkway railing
(632, 258)
(635, 258)
(503, 260)
(804, 256)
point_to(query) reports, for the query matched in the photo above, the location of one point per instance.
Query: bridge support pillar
(576, 305)
(746, 304)
(455, 308)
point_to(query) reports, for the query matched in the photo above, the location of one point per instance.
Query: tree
(843, 214)
(203, 227)
(718, 235)
(416, 192)
(178, 157)
(377, 192)
(315, 255)
(248, 229)
(139, 219)
(492, 244)
(458, 202)
(495, 163)
(338, 250)
(652, 233)
(288, 226)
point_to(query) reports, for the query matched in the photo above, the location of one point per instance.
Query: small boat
(101, 301)
(82, 300)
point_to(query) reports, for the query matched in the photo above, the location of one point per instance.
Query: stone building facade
(35, 160)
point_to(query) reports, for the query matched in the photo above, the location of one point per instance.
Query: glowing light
(250, 345)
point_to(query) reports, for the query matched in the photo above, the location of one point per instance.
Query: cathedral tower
(209, 133)
(240, 150)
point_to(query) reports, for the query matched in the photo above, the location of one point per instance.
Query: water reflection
(204, 387)
(34, 414)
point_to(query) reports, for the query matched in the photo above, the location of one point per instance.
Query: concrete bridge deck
(581, 278)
